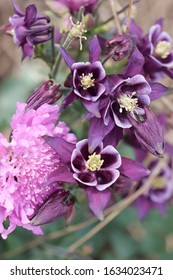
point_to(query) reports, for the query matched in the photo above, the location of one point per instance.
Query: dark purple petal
(17, 9)
(113, 137)
(105, 178)
(133, 169)
(82, 146)
(98, 201)
(62, 174)
(157, 90)
(61, 146)
(86, 179)
(30, 14)
(135, 64)
(56, 206)
(98, 71)
(68, 59)
(94, 49)
(120, 119)
(78, 162)
(92, 107)
(97, 131)
(111, 157)
(68, 100)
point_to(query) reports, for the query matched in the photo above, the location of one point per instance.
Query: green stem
(55, 67)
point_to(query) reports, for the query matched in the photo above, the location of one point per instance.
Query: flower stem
(129, 16)
(56, 65)
(116, 19)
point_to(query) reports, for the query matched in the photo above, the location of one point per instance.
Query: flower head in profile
(29, 28)
(26, 162)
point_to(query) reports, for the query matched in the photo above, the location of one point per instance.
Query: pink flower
(25, 164)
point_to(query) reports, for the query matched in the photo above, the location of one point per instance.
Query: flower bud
(59, 204)
(149, 133)
(46, 93)
(119, 47)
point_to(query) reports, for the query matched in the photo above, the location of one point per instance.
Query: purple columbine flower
(99, 169)
(88, 80)
(160, 193)
(127, 98)
(157, 49)
(29, 28)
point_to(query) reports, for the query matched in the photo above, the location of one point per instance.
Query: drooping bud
(119, 47)
(46, 93)
(149, 132)
(58, 205)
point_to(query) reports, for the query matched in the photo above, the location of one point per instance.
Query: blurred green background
(125, 237)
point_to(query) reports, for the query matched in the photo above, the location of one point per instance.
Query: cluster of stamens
(87, 81)
(127, 102)
(163, 49)
(94, 162)
(159, 183)
(77, 31)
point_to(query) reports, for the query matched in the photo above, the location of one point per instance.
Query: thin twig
(42, 239)
(119, 207)
(116, 19)
(120, 12)
(129, 16)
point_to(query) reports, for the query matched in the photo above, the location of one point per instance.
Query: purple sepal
(135, 64)
(149, 133)
(62, 174)
(69, 60)
(98, 200)
(68, 100)
(61, 146)
(133, 169)
(143, 207)
(97, 131)
(94, 50)
(56, 206)
(157, 90)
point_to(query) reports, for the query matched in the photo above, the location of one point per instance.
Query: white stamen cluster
(94, 162)
(163, 49)
(127, 102)
(87, 81)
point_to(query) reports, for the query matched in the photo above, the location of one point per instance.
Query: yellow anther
(94, 162)
(163, 49)
(159, 183)
(127, 102)
(87, 81)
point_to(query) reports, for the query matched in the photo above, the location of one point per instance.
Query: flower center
(159, 183)
(87, 81)
(94, 162)
(163, 49)
(127, 102)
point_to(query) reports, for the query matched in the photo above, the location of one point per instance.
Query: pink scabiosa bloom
(72, 5)
(29, 28)
(26, 162)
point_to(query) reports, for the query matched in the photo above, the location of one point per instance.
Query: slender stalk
(116, 19)
(116, 209)
(58, 59)
(50, 236)
(119, 12)
(129, 16)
